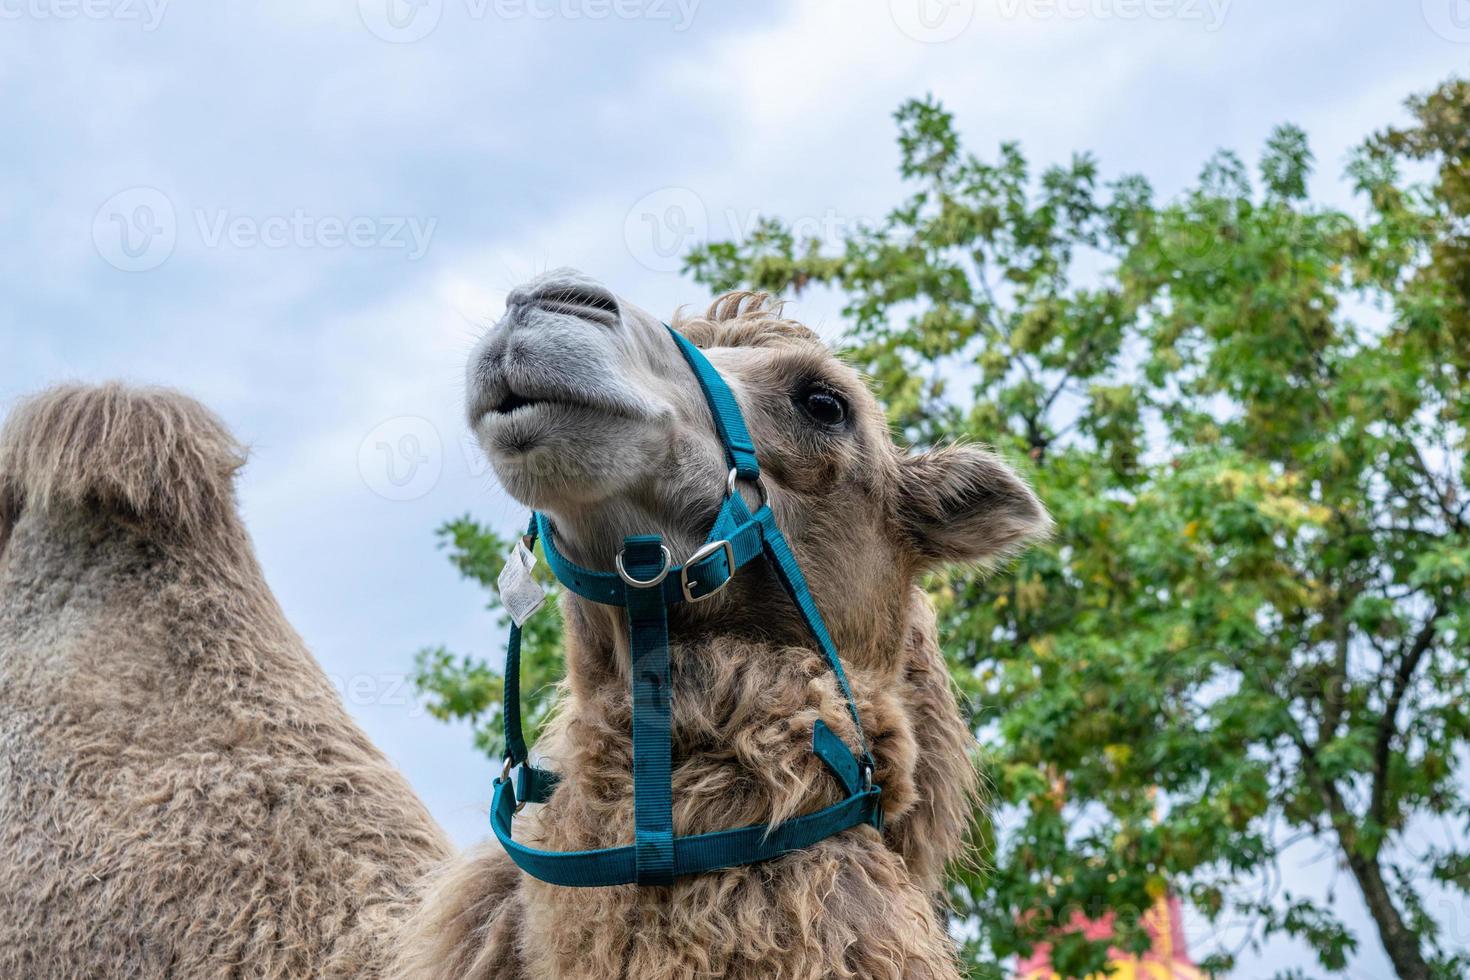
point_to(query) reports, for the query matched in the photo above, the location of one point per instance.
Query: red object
(1167, 958)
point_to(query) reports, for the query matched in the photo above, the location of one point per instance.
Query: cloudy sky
(304, 211)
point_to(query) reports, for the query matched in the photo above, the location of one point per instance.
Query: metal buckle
(759, 485)
(663, 573)
(704, 552)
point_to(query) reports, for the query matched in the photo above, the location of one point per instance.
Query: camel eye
(823, 405)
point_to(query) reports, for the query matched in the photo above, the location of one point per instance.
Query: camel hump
(153, 455)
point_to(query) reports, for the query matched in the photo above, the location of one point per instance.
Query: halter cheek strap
(648, 584)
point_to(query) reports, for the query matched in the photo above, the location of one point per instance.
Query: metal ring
(663, 573)
(759, 485)
(505, 778)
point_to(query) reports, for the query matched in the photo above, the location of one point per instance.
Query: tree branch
(1335, 697)
(1455, 517)
(1068, 370)
(1388, 723)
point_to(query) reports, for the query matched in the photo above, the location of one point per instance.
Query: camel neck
(742, 717)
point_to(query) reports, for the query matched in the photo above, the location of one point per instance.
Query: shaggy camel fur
(864, 520)
(183, 795)
(473, 919)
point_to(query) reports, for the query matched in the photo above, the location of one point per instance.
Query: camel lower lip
(567, 428)
(517, 407)
(534, 422)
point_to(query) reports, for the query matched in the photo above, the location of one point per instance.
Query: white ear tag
(520, 593)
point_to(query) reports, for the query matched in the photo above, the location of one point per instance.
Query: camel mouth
(522, 420)
(513, 403)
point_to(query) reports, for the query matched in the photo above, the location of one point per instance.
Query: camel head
(588, 412)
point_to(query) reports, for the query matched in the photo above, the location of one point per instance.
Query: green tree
(1248, 416)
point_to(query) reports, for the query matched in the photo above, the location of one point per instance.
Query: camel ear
(962, 504)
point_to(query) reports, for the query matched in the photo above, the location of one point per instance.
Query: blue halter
(648, 584)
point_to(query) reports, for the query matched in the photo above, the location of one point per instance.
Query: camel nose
(568, 292)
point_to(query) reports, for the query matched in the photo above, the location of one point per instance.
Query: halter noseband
(648, 584)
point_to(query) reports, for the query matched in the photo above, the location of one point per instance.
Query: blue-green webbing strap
(752, 534)
(510, 714)
(657, 856)
(789, 573)
(734, 523)
(648, 640)
(693, 855)
(729, 423)
(704, 577)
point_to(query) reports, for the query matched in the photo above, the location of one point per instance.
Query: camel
(182, 793)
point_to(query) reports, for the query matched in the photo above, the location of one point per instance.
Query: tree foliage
(463, 687)
(1248, 415)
